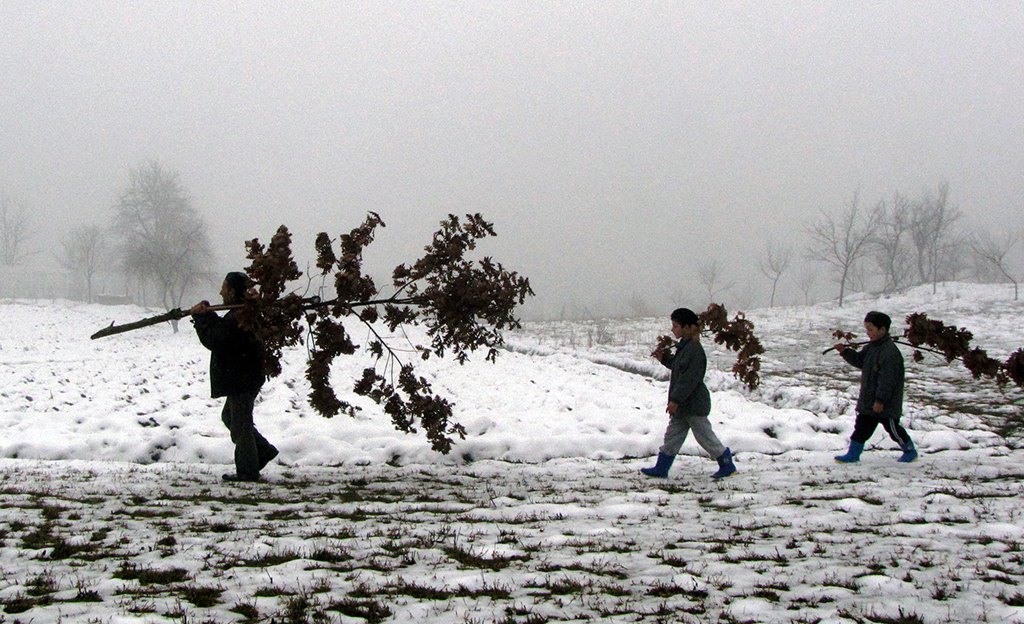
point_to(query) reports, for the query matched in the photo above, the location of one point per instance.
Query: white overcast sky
(615, 145)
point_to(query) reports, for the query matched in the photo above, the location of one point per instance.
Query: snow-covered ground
(113, 509)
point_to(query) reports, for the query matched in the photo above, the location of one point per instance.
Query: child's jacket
(882, 375)
(686, 386)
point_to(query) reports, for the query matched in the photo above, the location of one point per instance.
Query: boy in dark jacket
(689, 402)
(881, 389)
(236, 373)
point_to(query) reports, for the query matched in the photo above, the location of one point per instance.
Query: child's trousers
(680, 426)
(865, 426)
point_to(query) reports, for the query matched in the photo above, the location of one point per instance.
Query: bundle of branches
(737, 335)
(464, 305)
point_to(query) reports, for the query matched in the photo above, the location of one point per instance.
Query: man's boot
(265, 459)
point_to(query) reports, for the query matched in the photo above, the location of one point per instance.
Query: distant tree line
(155, 240)
(157, 246)
(896, 243)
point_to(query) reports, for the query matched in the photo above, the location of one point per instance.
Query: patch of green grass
(900, 618)
(230, 499)
(1016, 600)
(38, 539)
(669, 590)
(247, 610)
(52, 512)
(493, 591)
(42, 584)
(671, 560)
(330, 555)
(765, 594)
(402, 587)
(875, 566)
(775, 585)
(566, 585)
(300, 609)
(943, 591)
(201, 595)
(146, 512)
(205, 526)
(834, 580)
(279, 515)
(522, 615)
(272, 591)
(598, 567)
(534, 518)
(373, 611)
(777, 557)
(20, 603)
(718, 547)
(469, 559)
(274, 557)
(356, 515)
(582, 546)
(61, 549)
(150, 576)
(339, 533)
(86, 595)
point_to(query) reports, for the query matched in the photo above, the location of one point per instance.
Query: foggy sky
(615, 145)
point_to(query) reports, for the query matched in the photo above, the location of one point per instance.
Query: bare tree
(805, 282)
(933, 235)
(776, 261)
(994, 252)
(710, 275)
(165, 241)
(841, 241)
(83, 253)
(15, 230)
(890, 241)
(639, 307)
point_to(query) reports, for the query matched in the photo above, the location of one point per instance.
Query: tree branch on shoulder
(737, 335)
(464, 305)
(955, 342)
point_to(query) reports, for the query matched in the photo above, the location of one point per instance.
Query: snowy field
(113, 509)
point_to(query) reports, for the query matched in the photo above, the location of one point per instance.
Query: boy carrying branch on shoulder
(881, 389)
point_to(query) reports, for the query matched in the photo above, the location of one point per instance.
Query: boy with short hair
(881, 389)
(689, 401)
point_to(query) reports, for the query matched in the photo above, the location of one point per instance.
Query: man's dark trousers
(250, 446)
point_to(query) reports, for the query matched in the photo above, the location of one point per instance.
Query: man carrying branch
(236, 373)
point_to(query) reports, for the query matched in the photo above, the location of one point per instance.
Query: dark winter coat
(882, 377)
(686, 386)
(236, 356)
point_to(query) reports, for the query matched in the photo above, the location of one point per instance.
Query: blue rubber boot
(909, 453)
(660, 469)
(726, 466)
(853, 455)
